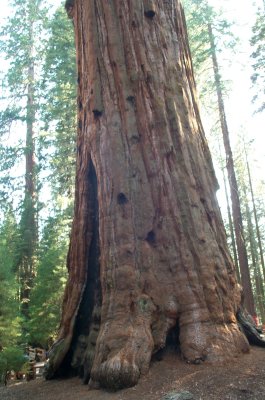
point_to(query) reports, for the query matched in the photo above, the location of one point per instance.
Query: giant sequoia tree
(148, 250)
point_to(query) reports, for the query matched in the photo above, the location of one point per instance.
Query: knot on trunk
(122, 199)
(149, 8)
(145, 305)
(97, 113)
(151, 238)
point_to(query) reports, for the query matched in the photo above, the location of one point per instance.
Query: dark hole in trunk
(149, 13)
(97, 113)
(122, 199)
(172, 341)
(88, 317)
(151, 238)
(172, 344)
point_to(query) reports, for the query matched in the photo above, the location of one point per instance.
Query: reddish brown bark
(145, 187)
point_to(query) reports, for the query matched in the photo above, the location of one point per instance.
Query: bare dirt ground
(241, 379)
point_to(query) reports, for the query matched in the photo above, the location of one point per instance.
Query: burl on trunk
(148, 249)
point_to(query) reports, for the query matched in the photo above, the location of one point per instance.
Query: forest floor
(240, 379)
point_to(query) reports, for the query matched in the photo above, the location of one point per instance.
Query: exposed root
(118, 373)
(124, 348)
(211, 342)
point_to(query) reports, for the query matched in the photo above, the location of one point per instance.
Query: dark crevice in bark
(172, 340)
(80, 355)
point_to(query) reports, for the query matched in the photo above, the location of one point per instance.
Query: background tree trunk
(231, 226)
(236, 208)
(260, 295)
(256, 219)
(28, 223)
(148, 249)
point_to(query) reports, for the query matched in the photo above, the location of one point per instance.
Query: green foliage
(58, 113)
(8, 116)
(50, 281)
(51, 89)
(11, 358)
(199, 15)
(9, 183)
(59, 108)
(10, 320)
(258, 55)
(11, 355)
(21, 43)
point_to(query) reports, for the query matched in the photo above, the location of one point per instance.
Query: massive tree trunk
(148, 250)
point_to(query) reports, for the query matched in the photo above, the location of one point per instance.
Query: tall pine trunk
(28, 224)
(254, 256)
(231, 226)
(148, 250)
(256, 219)
(236, 208)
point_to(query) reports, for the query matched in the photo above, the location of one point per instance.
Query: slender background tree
(204, 22)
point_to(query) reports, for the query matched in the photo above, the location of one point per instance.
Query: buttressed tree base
(148, 249)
